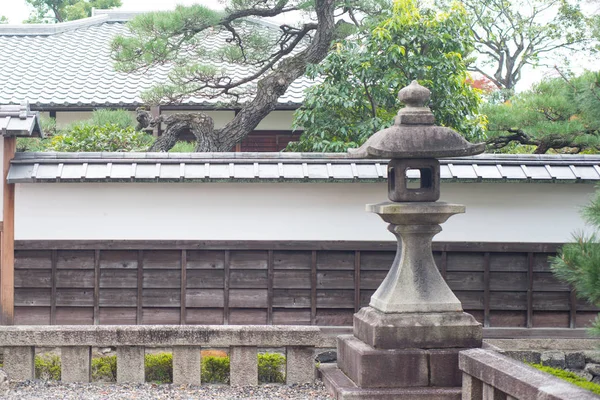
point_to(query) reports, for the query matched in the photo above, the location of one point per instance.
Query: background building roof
(69, 65)
(286, 167)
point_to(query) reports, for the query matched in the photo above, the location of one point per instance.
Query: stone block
(443, 368)
(342, 388)
(527, 356)
(472, 388)
(417, 330)
(76, 364)
(381, 368)
(19, 363)
(429, 180)
(130, 364)
(554, 359)
(575, 359)
(4, 387)
(491, 393)
(186, 365)
(593, 368)
(300, 366)
(592, 356)
(243, 366)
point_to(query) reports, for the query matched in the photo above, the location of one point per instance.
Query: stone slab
(443, 368)
(19, 363)
(130, 364)
(76, 364)
(243, 367)
(186, 365)
(300, 365)
(342, 388)
(368, 367)
(417, 330)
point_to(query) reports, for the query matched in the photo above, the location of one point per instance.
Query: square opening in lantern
(413, 180)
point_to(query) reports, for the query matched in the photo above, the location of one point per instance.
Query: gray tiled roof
(282, 167)
(18, 120)
(69, 64)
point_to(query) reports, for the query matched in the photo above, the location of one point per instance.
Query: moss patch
(569, 377)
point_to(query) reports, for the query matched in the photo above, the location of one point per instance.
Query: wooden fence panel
(322, 283)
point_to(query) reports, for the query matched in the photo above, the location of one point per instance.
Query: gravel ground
(43, 390)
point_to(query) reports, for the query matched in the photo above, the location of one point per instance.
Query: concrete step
(342, 388)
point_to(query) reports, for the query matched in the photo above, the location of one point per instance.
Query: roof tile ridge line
(51, 29)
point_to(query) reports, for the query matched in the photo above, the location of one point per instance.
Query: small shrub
(215, 369)
(110, 137)
(183, 147)
(47, 367)
(569, 377)
(159, 367)
(270, 367)
(104, 369)
(119, 117)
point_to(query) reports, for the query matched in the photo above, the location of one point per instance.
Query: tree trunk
(201, 126)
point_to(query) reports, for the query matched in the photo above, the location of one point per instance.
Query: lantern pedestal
(405, 344)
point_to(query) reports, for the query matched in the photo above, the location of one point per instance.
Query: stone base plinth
(417, 330)
(342, 388)
(369, 367)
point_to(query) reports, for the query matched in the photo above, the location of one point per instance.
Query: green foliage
(104, 369)
(109, 137)
(364, 74)
(569, 377)
(3, 19)
(183, 147)
(555, 114)
(215, 369)
(270, 368)
(51, 11)
(578, 263)
(159, 367)
(47, 367)
(121, 118)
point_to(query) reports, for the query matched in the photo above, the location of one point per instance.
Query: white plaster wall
(286, 211)
(277, 120)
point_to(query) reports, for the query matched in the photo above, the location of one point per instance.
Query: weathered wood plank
(204, 316)
(508, 281)
(550, 319)
(117, 316)
(508, 301)
(74, 315)
(508, 318)
(33, 278)
(153, 316)
(161, 298)
(335, 280)
(294, 260)
(284, 279)
(74, 297)
(370, 280)
(291, 298)
(118, 298)
(247, 316)
(508, 262)
(205, 298)
(119, 259)
(248, 298)
(551, 301)
(547, 282)
(200, 278)
(335, 260)
(115, 278)
(376, 261)
(209, 259)
(257, 279)
(465, 262)
(75, 259)
(161, 279)
(291, 317)
(75, 278)
(162, 259)
(7, 238)
(334, 317)
(465, 280)
(251, 259)
(33, 259)
(32, 315)
(335, 299)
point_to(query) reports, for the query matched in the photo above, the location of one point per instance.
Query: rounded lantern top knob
(414, 95)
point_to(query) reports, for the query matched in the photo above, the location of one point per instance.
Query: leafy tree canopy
(562, 114)
(65, 10)
(255, 59)
(362, 78)
(3, 19)
(511, 34)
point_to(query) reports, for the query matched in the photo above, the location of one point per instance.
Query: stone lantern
(405, 344)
